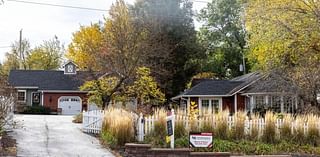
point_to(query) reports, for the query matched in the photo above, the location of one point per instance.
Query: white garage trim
(69, 98)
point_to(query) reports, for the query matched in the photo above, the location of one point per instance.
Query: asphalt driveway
(52, 135)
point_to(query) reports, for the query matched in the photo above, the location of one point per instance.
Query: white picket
(92, 121)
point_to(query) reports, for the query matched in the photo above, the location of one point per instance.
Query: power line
(76, 7)
(2, 47)
(58, 5)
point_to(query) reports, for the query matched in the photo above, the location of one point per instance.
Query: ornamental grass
(269, 131)
(221, 124)
(118, 126)
(286, 127)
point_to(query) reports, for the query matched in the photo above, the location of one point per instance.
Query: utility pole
(20, 50)
(244, 64)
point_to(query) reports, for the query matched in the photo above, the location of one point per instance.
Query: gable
(70, 68)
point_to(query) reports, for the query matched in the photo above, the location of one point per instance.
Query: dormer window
(70, 68)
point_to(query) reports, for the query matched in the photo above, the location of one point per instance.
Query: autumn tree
(174, 50)
(97, 89)
(86, 44)
(124, 49)
(15, 59)
(47, 56)
(145, 88)
(285, 34)
(223, 36)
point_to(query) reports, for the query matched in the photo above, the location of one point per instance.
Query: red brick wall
(145, 150)
(51, 100)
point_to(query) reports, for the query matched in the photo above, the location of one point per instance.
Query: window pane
(21, 96)
(205, 106)
(215, 105)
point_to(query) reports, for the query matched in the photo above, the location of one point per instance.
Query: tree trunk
(106, 98)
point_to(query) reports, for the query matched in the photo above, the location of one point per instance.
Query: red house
(251, 93)
(57, 90)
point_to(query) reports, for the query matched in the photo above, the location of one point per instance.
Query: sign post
(170, 128)
(200, 140)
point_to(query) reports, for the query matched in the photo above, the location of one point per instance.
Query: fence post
(140, 128)
(173, 121)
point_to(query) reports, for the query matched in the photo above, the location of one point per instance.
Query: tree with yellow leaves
(85, 47)
(285, 34)
(145, 88)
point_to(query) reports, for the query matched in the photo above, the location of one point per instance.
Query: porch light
(318, 98)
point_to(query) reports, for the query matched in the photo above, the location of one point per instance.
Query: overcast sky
(40, 22)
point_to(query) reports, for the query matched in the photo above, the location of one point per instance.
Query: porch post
(282, 104)
(199, 106)
(235, 103)
(42, 98)
(251, 103)
(188, 106)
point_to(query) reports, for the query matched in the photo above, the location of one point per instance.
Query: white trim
(210, 103)
(203, 96)
(63, 91)
(26, 87)
(266, 93)
(25, 96)
(42, 98)
(235, 103)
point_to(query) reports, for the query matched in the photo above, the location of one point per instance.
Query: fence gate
(92, 121)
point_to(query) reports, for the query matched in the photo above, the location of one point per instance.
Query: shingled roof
(47, 79)
(212, 87)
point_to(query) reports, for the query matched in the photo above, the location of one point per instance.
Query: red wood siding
(51, 100)
(241, 102)
(228, 103)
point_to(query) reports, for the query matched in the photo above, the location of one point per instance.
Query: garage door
(70, 105)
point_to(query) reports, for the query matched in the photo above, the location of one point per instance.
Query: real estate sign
(200, 140)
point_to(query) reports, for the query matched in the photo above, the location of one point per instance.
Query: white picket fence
(146, 126)
(92, 121)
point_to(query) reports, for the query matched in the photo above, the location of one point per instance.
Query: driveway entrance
(51, 135)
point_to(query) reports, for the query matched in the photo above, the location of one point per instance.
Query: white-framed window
(260, 100)
(205, 107)
(22, 95)
(216, 105)
(210, 105)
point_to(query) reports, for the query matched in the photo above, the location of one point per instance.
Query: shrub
(36, 110)
(118, 125)
(182, 142)
(269, 132)
(78, 118)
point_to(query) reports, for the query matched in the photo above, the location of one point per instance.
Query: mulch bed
(8, 146)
